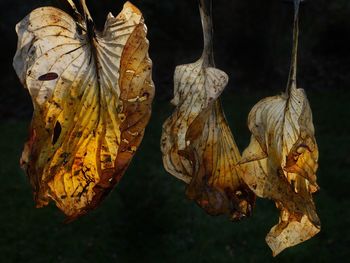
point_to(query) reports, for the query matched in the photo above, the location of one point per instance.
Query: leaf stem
(294, 61)
(86, 10)
(205, 8)
(71, 3)
(77, 15)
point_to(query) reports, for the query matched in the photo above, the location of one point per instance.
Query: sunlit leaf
(197, 144)
(281, 161)
(92, 94)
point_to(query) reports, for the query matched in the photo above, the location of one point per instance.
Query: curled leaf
(280, 164)
(92, 93)
(282, 159)
(197, 144)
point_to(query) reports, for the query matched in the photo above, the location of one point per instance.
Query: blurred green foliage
(148, 219)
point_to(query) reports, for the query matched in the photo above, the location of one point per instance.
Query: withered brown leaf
(92, 93)
(282, 159)
(197, 144)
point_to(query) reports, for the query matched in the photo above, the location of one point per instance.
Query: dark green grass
(148, 219)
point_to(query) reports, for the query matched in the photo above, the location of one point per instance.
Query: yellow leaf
(282, 159)
(92, 93)
(197, 144)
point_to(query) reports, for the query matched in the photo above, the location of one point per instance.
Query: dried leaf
(197, 144)
(281, 161)
(92, 94)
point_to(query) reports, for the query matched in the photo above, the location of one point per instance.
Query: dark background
(148, 219)
(252, 43)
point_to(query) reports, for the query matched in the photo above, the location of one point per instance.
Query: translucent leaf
(197, 144)
(92, 94)
(282, 159)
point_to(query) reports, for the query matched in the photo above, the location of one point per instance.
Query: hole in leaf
(56, 132)
(48, 76)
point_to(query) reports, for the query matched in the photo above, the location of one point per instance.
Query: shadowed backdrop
(147, 218)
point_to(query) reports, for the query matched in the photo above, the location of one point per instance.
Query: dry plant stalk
(92, 93)
(197, 144)
(281, 161)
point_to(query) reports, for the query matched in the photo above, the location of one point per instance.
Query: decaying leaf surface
(197, 144)
(92, 94)
(281, 161)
